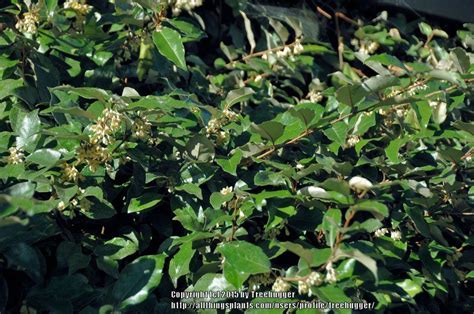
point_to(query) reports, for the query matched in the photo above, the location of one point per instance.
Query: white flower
(229, 114)
(29, 22)
(16, 156)
(373, 46)
(141, 127)
(213, 126)
(314, 191)
(285, 52)
(380, 232)
(226, 190)
(298, 47)
(352, 140)
(303, 287)
(396, 235)
(80, 8)
(330, 274)
(61, 206)
(360, 184)
(188, 5)
(280, 285)
(315, 96)
(314, 279)
(70, 173)
(299, 166)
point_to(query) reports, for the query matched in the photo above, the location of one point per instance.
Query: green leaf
(242, 259)
(460, 59)
(26, 128)
(362, 258)
(363, 123)
(200, 148)
(190, 188)
(350, 95)
(70, 255)
(410, 287)
(8, 87)
(117, 248)
(452, 77)
(387, 59)
(331, 224)
(379, 83)
(440, 33)
(270, 130)
(138, 279)
(337, 133)
(425, 29)
(416, 214)
(170, 45)
(230, 165)
(212, 282)
(188, 30)
(237, 96)
(143, 202)
(45, 157)
(377, 209)
(179, 264)
(217, 199)
(468, 127)
(86, 92)
(264, 178)
(393, 148)
(25, 258)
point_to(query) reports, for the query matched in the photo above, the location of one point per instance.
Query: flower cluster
(80, 8)
(365, 47)
(105, 127)
(412, 91)
(16, 156)
(280, 285)
(180, 5)
(352, 140)
(256, 281)
(226, 190)
(93, 155)
(314, 96)
(215, 124)
(380, 232)
(141, 127)
(285, 51)
(314, 279)
(394, 234)
(70, 173)
(29, 22)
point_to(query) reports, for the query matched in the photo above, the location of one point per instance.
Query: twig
(264, 153)
(323, 13)
(340, 43)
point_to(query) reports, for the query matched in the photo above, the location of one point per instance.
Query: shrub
(150, 149)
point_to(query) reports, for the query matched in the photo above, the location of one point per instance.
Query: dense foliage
(154, 147)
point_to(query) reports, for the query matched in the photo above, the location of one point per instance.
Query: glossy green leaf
(242, 259)
(145, 201)
(137, 280)
(179, 264)
(169, 44)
